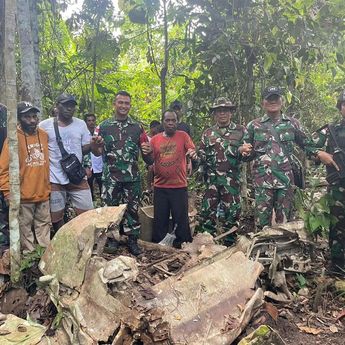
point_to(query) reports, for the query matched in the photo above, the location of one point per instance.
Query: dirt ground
(316, 316)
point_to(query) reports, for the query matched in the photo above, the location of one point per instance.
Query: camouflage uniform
(322, 138)
(220, 161)
(121, 178)
(272, 172)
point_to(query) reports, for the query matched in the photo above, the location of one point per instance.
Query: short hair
(89, 115)
(154, 123)
(176, 105)
(168, 111)
(122, 93)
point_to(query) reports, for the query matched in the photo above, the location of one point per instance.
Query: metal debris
(160, 296)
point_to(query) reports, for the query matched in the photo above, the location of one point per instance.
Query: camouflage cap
(341, 99)
(222, 102)
(270, 91)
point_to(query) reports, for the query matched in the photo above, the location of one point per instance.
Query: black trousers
(174, 200)
(98, 178)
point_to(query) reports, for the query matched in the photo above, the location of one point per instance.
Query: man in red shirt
(169, 152)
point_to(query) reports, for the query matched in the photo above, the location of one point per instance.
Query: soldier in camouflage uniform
(272, 173)
(119, 139)
(220, 161)
(323, 138)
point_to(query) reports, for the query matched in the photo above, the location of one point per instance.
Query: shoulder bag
(70, 163)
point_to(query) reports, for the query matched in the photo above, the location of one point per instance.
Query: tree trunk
(164, 70)
(94, 65)
(2, 58)
(35, 42)
(27, 57)
(11, 102)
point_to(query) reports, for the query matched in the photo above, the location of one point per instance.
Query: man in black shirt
(178, 109)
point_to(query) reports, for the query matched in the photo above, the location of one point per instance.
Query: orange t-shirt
(33, 167)
(169, 154)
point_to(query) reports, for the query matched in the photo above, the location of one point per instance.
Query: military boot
(133, 246)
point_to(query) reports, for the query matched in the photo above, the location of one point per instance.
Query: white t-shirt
(96, 163)
(73, 136)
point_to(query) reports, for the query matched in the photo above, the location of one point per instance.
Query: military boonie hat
(341, 99)
(24, 107)
(223, 102)
(64, 98)
(270, 91)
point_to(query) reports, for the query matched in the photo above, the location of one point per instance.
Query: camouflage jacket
(218, 153)
(121, 149)
(323, 139)
(271, 168)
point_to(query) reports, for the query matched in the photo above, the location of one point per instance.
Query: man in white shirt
(93, 164)
(76, 139)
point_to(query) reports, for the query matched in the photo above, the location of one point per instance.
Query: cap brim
(223, 106)
(69, 100)
(271, 94)
(28, 109)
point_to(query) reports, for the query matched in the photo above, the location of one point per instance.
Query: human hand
(146, 148)
(192, 154)
(97, 140)
(88, 172)
(327, 159)
(245, 149)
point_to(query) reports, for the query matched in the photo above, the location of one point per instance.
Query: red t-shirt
(169, 155)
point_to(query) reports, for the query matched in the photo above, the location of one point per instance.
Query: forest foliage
(199, 49)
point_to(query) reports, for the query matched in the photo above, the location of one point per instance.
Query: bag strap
(334, 136)
(64, 153)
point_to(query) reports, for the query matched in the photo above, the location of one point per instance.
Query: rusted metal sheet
(72, 246)
(205, 306)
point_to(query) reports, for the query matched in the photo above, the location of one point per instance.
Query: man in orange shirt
(34, 178)
(170, 149)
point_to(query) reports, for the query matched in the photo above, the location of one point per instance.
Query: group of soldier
(268, 142)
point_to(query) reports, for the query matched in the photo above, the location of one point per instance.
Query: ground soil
(318, 311)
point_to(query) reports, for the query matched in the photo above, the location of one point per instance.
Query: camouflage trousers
(115, 193)
(267, 200)
(222, 203)
(337, 231)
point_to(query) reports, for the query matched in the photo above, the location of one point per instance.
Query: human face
(66, 111)
(91, 123)
(122, 105)
(223, 116)
(272, 104)
(28, 121)
(178, 112)
(154, 130)
(170, 123)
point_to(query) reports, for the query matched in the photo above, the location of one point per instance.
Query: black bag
(70, 163)
(298, 172)
(296, 166)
